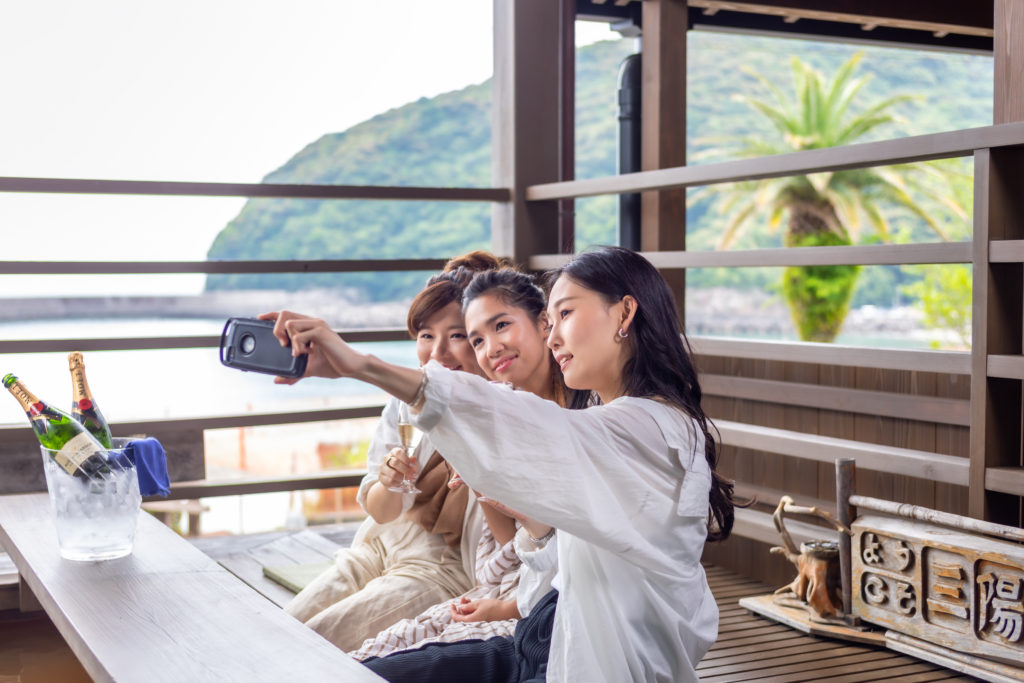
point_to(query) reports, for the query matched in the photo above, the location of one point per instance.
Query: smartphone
(250, 344)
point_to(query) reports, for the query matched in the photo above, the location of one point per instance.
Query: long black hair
(661, 365)
(519, 290)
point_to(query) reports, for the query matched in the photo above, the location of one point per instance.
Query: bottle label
(25, 398)
(75, 452)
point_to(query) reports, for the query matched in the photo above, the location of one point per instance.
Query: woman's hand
(328, 355)
(486, 609)
(396, 467)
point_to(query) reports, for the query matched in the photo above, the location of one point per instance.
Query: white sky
(198, 90)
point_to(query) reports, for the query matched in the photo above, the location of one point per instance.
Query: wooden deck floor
(753, 648)
(749, 647)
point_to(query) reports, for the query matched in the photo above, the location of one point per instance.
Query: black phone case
(250, 344)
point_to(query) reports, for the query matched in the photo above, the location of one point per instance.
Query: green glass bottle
(83, 405)
(71, 445)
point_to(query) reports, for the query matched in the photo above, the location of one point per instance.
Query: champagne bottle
(83, 405)
(71, 445)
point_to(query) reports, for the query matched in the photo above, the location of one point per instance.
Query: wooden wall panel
(813, 482)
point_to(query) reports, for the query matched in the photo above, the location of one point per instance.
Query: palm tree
(824, 209)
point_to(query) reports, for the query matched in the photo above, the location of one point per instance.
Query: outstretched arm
(329, 356)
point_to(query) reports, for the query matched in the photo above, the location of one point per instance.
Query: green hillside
(445, 141)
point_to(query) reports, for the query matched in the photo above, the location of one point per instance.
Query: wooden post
(1008, 61)
(525, 131)
(567, 123)
(846, 484)
(997, 319)
(663, 130)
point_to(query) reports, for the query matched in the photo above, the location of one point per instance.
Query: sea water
(95, 517)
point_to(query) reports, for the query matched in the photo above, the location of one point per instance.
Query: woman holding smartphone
(415, 549)
(630, 484)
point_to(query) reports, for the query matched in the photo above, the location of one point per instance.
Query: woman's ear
(629, 308)
(544, 322)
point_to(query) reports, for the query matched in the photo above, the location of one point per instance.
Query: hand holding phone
(249, 344)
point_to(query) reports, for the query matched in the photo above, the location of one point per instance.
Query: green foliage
(445, 141)
(825, 208)
(819, 296)
(944, 295)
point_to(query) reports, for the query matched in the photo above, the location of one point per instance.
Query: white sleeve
(605, 474)
(538, 570)
(385, 437)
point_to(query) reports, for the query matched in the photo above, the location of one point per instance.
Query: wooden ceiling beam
(940, 19)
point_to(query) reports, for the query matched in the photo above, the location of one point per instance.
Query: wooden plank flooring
(246, 556)
(749, 647)
(752, 648)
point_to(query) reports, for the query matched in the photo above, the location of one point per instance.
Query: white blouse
(626, 485)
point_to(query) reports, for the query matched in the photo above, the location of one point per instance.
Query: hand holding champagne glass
(405, 434)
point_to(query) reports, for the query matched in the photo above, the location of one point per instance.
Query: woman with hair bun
(415, 549)
(507, 326)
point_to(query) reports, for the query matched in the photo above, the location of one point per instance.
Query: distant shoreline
(335, 306)
(712, 311)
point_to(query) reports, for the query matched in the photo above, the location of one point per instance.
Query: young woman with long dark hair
(630, 484)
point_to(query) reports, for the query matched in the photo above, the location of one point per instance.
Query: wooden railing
(786, 383)
(788, 379)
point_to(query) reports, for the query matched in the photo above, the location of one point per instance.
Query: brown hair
(447, 286)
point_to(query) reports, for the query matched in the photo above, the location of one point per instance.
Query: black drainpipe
(629, 149)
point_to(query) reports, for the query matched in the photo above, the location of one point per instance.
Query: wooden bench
(167, 612)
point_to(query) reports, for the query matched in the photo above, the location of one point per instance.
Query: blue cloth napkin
(151, 466)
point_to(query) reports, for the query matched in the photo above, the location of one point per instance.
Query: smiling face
(584, 337)
(509, 344)
(443, 338)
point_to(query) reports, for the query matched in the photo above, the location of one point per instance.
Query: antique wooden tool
(817, 583)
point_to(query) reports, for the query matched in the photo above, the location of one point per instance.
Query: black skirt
(520, 658)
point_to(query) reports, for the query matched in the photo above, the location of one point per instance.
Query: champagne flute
(405, 432)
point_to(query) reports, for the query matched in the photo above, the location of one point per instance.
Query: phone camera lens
(247, 344)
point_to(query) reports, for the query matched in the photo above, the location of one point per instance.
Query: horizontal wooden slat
(882, 153)
(247, 420)
(1006, 251)
(903, 406)
(922, 464)
(869, 255)
(8, 432)
(215, 488)
(946, 362)
(1006, 367)
(165, 267)
(1005, 480)
(264, 190)
(769, 496)
(150, 343)
(760, 527)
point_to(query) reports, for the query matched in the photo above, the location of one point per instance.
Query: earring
(623, 335)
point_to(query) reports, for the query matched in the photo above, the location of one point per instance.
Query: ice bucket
(95, 517)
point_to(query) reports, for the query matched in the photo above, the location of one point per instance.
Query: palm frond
(732, 229)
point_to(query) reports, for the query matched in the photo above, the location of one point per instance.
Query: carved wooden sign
(959, 590)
